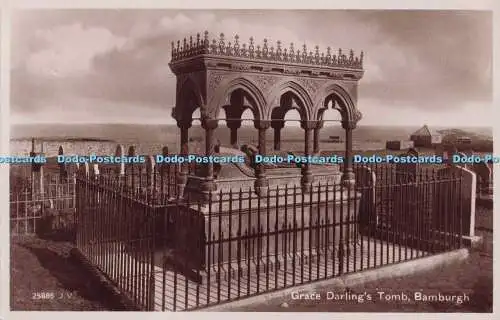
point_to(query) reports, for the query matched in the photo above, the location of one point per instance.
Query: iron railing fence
(28, 201)
(169, 253)
(35, 210)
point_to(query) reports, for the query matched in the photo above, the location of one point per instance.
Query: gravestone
(162, 167)
(130, 169)
(468, 151)
(217, 145)
(410, 208)
(150, 171)
(63, 173)
(119, 152)
(462, 155)
(440, 151)
(407, 172)
(95, 174)
(95, 170)
(483, 171)
(365, 184)
(452, 150)
(455, 202)
(73, 168)
(84, 169)
(449, 151)
(131, 151)
(164, 151)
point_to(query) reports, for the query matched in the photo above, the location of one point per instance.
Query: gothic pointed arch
(251, 95)
(189, 98)
(290, 95)
(341, 100)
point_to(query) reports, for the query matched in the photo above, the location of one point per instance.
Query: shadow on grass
(72, 277)
(59, 236)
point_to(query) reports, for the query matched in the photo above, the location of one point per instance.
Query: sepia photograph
(251, 160)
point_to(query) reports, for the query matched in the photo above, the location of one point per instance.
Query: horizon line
(243, 124)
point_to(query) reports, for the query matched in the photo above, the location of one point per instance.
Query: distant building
(464, 140)
(399, 144)
(426, 138)
(335, 139)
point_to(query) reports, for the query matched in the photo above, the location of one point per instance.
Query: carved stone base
(348, 183)
(306, 181)
(261, 186)
(181, 184)
(199, 189)
(320, 223)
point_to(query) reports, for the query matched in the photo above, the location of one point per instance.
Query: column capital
(277, 125)
(309, 125)
(348, 179)
(184, 123)
(262, 124)
(209, 124)
(349, 125)
(233, 124)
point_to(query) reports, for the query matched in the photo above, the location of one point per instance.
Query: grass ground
(44, 278)
(43, 266)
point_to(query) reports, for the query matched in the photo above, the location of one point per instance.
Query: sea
(102, 139)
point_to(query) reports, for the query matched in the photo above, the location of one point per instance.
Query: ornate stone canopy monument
(269, 80)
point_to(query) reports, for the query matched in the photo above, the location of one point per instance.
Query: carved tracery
(269, 79)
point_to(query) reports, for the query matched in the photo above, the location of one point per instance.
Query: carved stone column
(317, 129)
(277, 126)
(348, 178)
(184, 126)
(233, 126)
(307, 178)
(261, 184)
(209, 125)
(234, 110)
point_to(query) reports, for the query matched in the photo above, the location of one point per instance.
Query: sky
(111, 66)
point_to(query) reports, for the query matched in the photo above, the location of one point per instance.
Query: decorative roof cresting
(221, 47)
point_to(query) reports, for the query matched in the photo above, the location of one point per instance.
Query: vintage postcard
(251, 160)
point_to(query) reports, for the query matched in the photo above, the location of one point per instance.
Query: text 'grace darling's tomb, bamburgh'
(269, 80)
